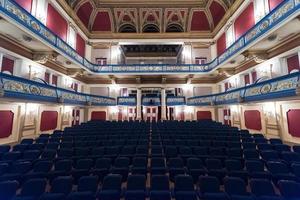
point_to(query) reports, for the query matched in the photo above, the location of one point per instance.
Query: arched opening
(127, 28)
(174, 28)
(151, 28)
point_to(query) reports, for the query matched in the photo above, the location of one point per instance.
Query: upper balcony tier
(286, 11)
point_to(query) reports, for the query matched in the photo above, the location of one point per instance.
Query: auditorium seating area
(157, 161)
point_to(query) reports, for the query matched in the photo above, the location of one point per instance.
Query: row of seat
(208, 189)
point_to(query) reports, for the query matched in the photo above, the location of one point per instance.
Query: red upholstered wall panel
(49, 120)
(247, 79)
(217, 12)
(84, 13)
(199, 21)
(6, 123)
(274, 3)
(204, 115)
(98, 115)
(221, 44)
(80, 45)
(7, 65)
(293, 119)
(254, 76)
(56, 23)
(293, 63)
(102, 22)
(245, 21)
(253, 120)
(26, 4)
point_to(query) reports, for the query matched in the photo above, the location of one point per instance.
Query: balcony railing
(286, 10)
(126, 101)
(175, 101)
(20, 88)
(280, 87)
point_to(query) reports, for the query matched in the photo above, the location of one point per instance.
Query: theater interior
(149, 100)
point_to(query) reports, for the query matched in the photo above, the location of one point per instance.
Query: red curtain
(204, 115)
(274, 3)
(293, 119)
(245, 21)
(80, 45)
(293, 63)
(221, 44)
(253, 120)
(99, 115)
(26, 4)
(7, 65)
(49, 120)
(56, 23)
(6, 123)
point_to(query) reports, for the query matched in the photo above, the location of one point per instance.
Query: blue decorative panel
(20, 88)
(284, 86)
(151, 101)
(127, 101)
(175, 101)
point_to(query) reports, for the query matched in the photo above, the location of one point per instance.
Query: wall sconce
(189, 109)
(187, 87)
(269, 109)
(114, 110)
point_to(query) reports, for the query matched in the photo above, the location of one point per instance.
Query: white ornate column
(163, 104)
(139, 104)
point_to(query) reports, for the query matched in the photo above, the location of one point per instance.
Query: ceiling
(149, 16)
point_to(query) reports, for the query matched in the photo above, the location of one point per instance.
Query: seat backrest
(251, 154)
(62, 184)
(213, 164)
(34, 187)
(160, 182)
(277, 167)
(21, 167)
(175, 163)
(184, 183)
(63, 165)
(139, 162)
(254, 166)
(42, 166)
(262, 187)
(8, 189)
(48, 154)
(4, 148)
(122, 162)
(235, 186)
(289, 189)
(296, 148)
(136, 182)
(103, 163)
(275, 141)
(296, 169)
(194, 163)
(232, 165)
(158, 162)
(112, 182)
(27, 141)
(87, 184)
(84, 164)
(209, 184)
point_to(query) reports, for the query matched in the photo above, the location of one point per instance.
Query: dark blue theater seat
(210, 188)
(160, 189)
(111, 188)
(136, 187)
(184, 188)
